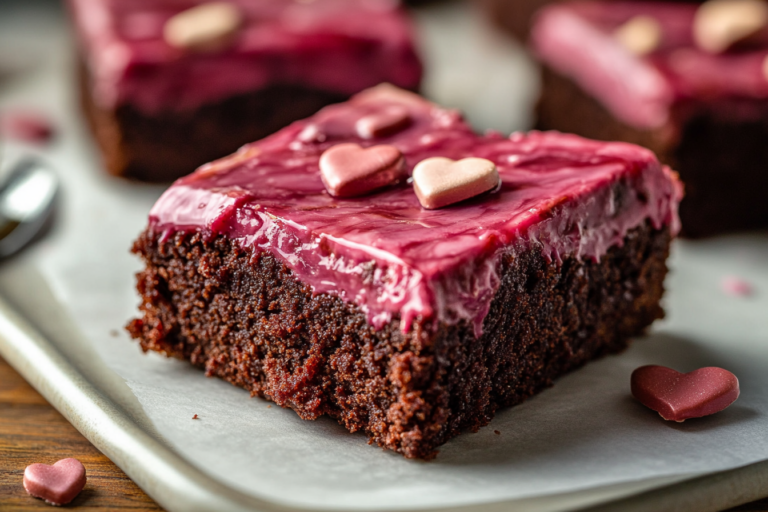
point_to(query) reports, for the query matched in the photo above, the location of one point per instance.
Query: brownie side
(171, 144)
(718, 150)
(513, 16)
(243, 317)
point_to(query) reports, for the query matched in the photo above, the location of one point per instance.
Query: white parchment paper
(586, 432)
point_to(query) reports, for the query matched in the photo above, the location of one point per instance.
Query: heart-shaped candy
(387, 122)
(640, 35)
(440, 181)
(680, 396)
(205, 27)
(349, 170)
(57, 484)
(719, 24)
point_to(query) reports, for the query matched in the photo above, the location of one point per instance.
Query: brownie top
(579, 40)
(341, 46)
(561, 194)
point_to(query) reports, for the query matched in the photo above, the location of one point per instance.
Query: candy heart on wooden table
(387, 122)
(349, 170)
(679, 396)
(206, 27)
(58, 484)
(440, 181)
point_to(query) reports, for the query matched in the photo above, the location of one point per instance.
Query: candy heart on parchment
(440, 181)
(58, 484)
(349, 170)
(679, 396)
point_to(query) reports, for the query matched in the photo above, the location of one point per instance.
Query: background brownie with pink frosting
(170, 85)
(688, 81)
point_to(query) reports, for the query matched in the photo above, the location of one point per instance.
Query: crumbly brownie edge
(243, 317)
(719, 151)
(171, 144)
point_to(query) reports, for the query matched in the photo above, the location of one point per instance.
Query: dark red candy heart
(679, 396)
(57, 484)
(25, 127)
(349, 170)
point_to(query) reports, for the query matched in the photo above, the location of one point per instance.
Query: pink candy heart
(58, 484)
(349, 170)
(679, 396)
(387, 122)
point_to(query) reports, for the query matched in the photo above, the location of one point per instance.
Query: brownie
(407, 324)
(158, 111)
(703, 113)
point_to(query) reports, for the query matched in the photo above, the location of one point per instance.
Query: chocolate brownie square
(675, 78)
(168, 85)
(409, 324)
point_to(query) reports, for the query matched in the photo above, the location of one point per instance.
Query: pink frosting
(560, 194)
(339, 46)
(576, 40)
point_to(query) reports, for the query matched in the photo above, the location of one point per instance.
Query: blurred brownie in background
(168, 85)
(688, 81)
(512, 15)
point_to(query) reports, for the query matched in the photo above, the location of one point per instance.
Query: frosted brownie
(689, 82)
(409, 324)
(169, 85)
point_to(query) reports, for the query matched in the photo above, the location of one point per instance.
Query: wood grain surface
(33, 431)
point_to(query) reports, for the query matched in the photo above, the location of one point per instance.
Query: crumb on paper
(497, 432)
(269, 406)
(736, 286)
(195, 417)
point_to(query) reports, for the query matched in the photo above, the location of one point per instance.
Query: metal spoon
(27, 197)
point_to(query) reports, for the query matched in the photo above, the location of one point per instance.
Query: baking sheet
(584, 434)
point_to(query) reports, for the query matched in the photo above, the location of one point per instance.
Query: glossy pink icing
(339, 46)
(561, 194)
(575, 39)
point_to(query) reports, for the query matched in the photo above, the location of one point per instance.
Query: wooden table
(33, 431)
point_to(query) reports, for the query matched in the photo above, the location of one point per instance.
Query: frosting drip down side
(560, 194)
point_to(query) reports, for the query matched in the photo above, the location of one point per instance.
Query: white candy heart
(719, 24)
(440, 181)
(640, 35)
(206, 27)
